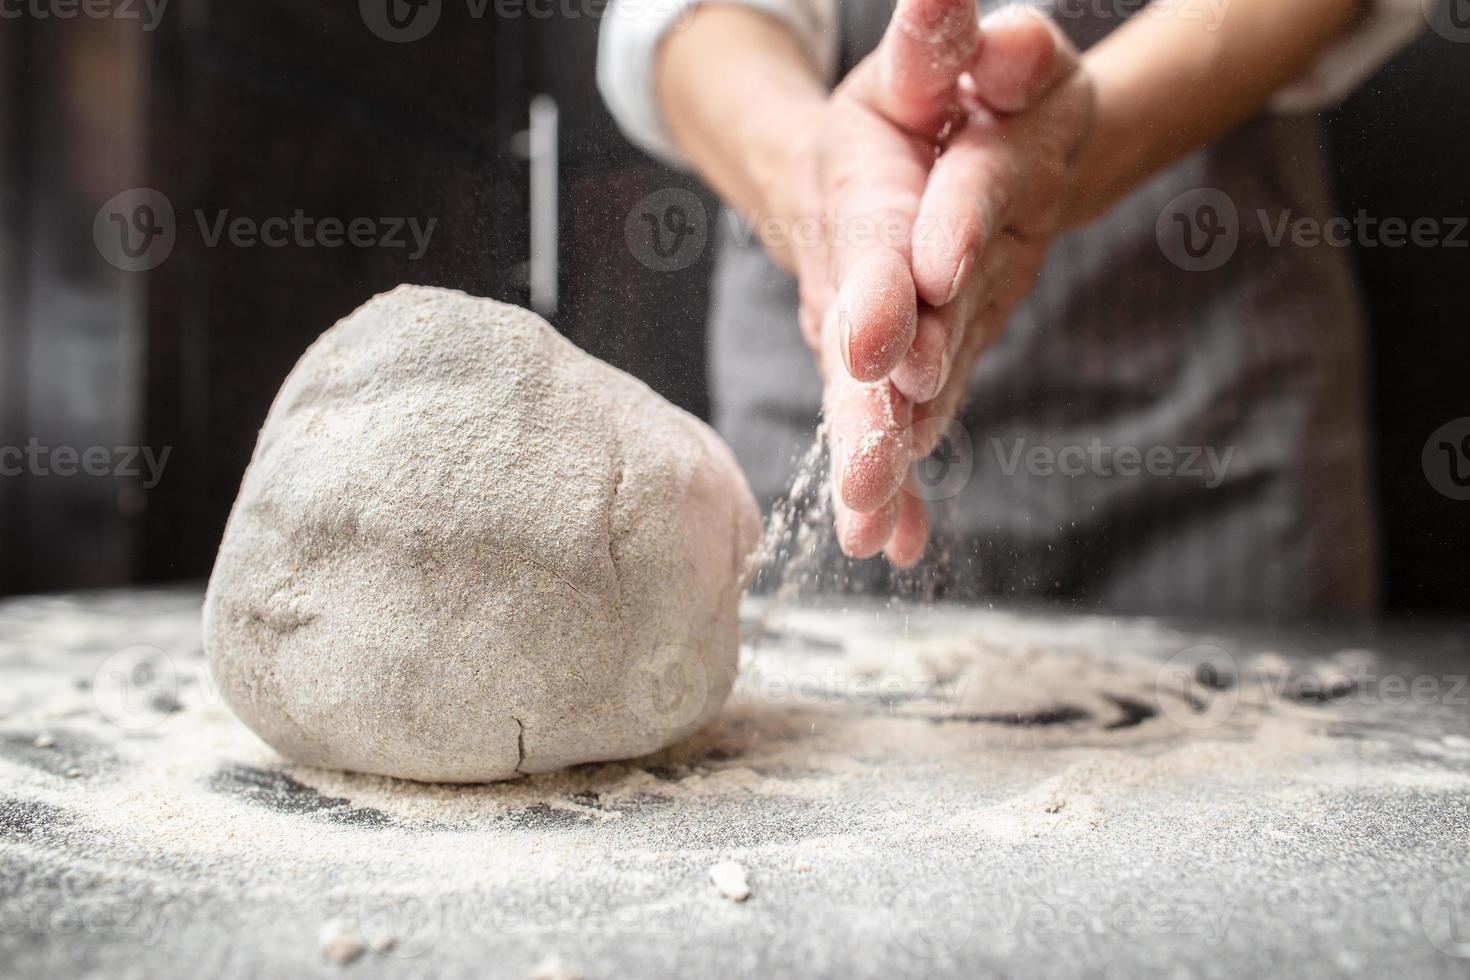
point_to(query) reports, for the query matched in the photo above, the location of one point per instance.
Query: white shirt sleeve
(1382, 29)
(633, 29)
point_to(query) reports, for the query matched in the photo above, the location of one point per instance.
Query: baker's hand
(940, 172)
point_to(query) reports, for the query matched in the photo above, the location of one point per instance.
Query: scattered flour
(730, 880)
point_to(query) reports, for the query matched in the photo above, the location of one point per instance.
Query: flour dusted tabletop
(907, 790)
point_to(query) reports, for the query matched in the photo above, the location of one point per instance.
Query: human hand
(940, 172)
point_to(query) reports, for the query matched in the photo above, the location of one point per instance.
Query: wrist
(1110, 159)
(739, 99)
(779, 157)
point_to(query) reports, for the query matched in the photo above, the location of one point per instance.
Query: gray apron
(1131, 344)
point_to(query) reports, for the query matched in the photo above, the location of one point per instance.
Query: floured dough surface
(465, 550)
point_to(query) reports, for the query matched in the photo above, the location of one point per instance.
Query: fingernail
(844, 339)
(839, 466)
(946, 364)
(958, 281)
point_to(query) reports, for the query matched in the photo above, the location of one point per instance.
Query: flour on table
(730, 880)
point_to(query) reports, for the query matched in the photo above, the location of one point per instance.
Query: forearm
(738, 95)
(1168, 84)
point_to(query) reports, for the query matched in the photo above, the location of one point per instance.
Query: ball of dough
(465, 550)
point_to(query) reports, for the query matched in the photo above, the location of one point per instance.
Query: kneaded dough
(465, 550)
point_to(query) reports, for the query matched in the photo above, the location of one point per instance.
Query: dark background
(268, 106)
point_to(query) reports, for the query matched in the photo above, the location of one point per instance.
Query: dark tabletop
(911, 791)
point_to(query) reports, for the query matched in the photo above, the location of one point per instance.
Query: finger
(867, 434)
(863, 535)
(925, 368)
(930, 418)
(873, 192)
(963, 208)
(982, 178)
(877, 312)
(929, 44)
(1009, 190)
(1008, 279)
(917, 376)
(1025, 57)
(911, 530)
